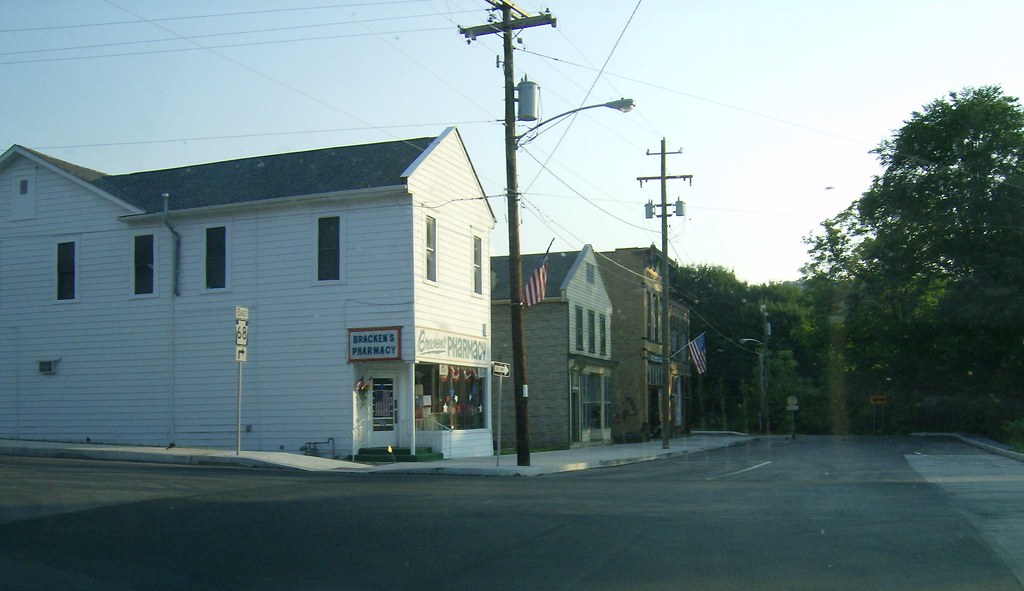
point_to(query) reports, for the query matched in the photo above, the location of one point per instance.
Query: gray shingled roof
(86, 174)
(259, 178)
(559, 265)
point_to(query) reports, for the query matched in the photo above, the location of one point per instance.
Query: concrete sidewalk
(549, 462)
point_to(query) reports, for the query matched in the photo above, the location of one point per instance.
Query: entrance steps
(380, 455)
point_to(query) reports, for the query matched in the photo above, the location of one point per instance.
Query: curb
(271, 460)
(540, 470)
(134, 456)
(994, 449)
(184, 458)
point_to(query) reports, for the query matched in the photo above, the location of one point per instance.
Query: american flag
(533, 291)
(698, 354)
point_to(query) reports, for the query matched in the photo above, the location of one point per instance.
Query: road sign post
(878, 403)
(502, 370)
(792, 405)
(241, 356)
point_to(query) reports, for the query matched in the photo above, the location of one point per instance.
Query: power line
(213, 47)
(543, 166)
(253, 135)
(205, 16)
(257, 72)
(246, 67)
(233, 33)
(589, 91)
(709, 100)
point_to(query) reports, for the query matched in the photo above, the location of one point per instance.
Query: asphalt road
(815, 513)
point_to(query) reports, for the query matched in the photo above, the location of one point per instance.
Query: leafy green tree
(720, 308)
(925, 272)
(727, 310)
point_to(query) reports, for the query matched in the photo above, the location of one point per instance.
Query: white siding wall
(152, 370)
(116, 351)
(104, 339)
(297, 384)
(589, 296)
(446, 189)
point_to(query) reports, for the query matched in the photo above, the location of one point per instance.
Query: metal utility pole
(666, 345)
(767, 332)
(507, 27)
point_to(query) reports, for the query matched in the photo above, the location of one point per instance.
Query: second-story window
(328, 248)
(144, 260)
(216, 257)
(579, 328)
(653, 316)
(602, 327)
(431, 249)
(66, 266)
(23, 202)
(478, 265)
(591, 332)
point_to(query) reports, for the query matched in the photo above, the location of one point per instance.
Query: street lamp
(515, 262)
(509, 24)
(764, 382)
(624, 105)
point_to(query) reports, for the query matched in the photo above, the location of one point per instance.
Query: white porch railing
(435, 434)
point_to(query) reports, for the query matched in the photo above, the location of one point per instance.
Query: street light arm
(624, 104)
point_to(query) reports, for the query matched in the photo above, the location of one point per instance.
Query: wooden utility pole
(508, 25)
(666, 344)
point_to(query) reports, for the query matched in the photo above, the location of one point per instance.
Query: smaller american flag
(533, 291)
(698, 354)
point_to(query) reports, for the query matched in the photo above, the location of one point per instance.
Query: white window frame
(430, 249)
(131, 262)
(56, 269)
(316, 248)
(227, 258)
(23, 205)
(580, 336)
(591, 332)
(478, 265)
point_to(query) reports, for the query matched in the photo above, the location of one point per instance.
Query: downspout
(176, 261)
(175, 272)
(411, 381)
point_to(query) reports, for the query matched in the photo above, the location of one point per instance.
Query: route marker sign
(241, 334)
(241, 356)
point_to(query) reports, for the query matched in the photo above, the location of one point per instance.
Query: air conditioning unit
(48, 366)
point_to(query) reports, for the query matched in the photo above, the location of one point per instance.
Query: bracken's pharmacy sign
(375, 344)
(446, 347)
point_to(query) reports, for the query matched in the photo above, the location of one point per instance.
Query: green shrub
(1015, 434)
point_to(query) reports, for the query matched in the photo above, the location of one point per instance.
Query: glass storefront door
(595, 411)
(385, 412)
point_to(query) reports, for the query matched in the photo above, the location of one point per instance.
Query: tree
(728, 310)
(926, 269)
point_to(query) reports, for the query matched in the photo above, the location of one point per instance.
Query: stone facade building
(632, 278)
(568, 344)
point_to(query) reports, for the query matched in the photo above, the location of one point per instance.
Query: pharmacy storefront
(439, 400)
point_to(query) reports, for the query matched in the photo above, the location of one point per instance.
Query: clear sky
(775, 105)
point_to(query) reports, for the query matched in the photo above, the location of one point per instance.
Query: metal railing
(436, 430)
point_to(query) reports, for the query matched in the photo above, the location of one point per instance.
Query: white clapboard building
(343, 288)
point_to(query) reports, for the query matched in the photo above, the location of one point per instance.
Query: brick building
(568, 344)
(632, 279)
